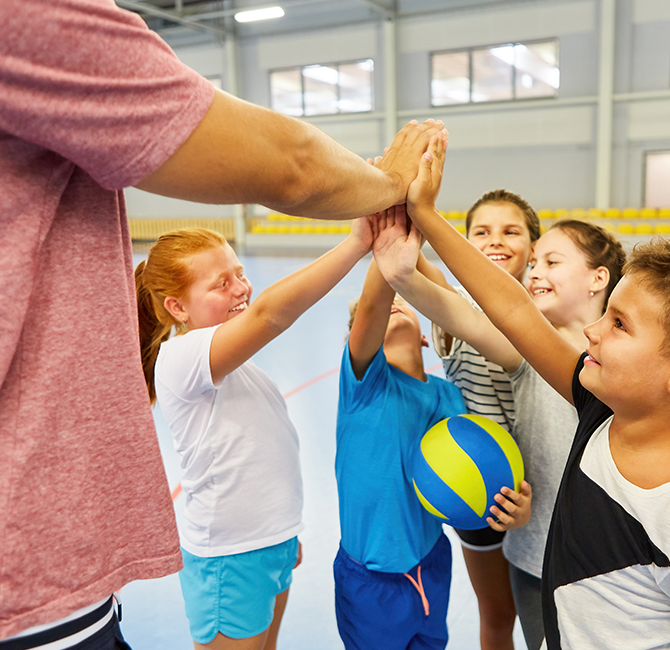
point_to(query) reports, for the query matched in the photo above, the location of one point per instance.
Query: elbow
(273, 319)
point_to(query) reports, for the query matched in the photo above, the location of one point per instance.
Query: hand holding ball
(461, 465)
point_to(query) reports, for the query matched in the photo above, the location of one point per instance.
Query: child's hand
(362, 233)
(423, 191)
(516, 512)
(403, 158)
(395, 249)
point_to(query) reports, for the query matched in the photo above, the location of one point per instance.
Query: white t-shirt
(238, 450)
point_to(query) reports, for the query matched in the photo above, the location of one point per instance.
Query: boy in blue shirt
(393, 569)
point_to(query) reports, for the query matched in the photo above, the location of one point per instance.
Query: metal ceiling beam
(222, 13)
(173, 16)
(387, 13)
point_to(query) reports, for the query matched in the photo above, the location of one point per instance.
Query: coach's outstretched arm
(243, 153)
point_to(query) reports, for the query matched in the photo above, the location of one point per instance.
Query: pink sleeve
(90, 82)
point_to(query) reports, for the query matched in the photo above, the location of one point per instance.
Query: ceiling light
(259, 14)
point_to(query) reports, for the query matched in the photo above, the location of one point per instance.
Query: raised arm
(371, 320)
(280, 305)
(243, 153)
(427, 268)
(504, 300)
(396, 253)
(434, 274)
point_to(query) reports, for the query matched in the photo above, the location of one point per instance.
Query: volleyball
(461, 464)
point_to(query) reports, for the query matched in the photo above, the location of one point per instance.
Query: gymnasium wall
(543, 149)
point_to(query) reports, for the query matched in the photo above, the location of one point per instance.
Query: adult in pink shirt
(91, 102)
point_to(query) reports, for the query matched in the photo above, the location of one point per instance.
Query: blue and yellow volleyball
(461, 465)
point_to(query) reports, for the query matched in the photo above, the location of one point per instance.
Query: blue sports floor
(304, 362)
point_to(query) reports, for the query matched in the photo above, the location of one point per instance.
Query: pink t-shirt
(90, 102)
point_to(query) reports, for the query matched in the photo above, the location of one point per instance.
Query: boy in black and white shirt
(606, 581)
(607, 555)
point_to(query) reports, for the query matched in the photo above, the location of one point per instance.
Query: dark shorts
(386, 610)
(481, 539)
(108, 637)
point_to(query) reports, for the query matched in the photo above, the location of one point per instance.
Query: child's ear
(601, 278)
(424, 341)
(175, 309)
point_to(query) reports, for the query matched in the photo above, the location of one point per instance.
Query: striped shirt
(485, 386)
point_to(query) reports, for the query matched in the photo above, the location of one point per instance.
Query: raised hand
(364, 231)
(424, 190)
(396, 249)
(514, 510)
(403, 157)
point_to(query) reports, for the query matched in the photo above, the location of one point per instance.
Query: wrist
(398, 187)
(422, 212)
(400, 280)
(356, 247)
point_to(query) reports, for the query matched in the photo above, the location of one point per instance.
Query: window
(323, 89)
(495, 73)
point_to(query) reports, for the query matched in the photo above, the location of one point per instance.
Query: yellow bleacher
(622, 221)
(627, 221)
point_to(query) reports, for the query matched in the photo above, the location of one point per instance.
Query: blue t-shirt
(380, 422)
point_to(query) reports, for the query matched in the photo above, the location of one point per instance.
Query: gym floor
(304, 362)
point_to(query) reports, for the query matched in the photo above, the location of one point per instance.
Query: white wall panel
(318, 47)
(141, 204)
(650, 60)
(362, 137)
(657, 188)
(649, 120)
(649, 11)
(552, 126)
(441, 32)
(556, 177)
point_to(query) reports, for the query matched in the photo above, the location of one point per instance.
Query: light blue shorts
(235, 594)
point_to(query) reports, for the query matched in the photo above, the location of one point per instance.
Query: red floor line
(310, 382)
(177, 491)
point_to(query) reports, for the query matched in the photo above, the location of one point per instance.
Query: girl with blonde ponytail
(238, 448)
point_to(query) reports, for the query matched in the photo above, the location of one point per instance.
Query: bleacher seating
(636, 222)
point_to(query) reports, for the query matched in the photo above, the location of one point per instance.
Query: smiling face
(499, 230)
(559, 279)
(626, 367)
(219, 291)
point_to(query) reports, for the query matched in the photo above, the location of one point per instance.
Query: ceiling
(188, 22)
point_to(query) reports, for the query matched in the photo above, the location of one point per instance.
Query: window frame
(473, 48)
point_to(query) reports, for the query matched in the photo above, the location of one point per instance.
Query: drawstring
(419, 587)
